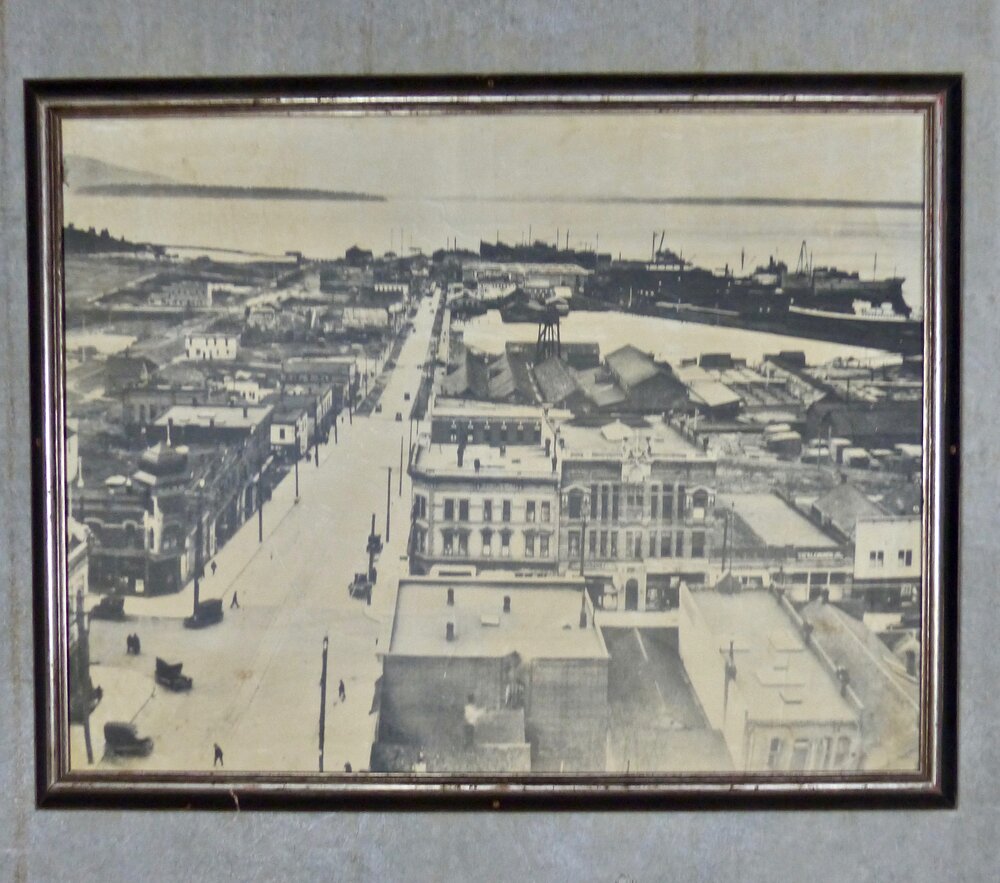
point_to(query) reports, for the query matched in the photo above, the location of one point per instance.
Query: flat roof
(608, 440)
(446, 407)
(523, 460)
(227, 416)
(544, 622)
(774, 521)
(780, 678)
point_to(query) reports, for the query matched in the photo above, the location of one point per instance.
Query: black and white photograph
(497, 441)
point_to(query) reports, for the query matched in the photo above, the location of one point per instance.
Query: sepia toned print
(502, 444)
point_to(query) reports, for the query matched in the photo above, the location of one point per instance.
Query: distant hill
(86, 175)
(226, 191)
(80, 173)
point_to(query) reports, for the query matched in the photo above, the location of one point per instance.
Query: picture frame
(58, 111)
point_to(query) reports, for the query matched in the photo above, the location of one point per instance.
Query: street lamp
(584, 509)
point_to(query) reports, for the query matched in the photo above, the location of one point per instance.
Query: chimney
(503, 450)
(449, 631)
(461, 455)
(170, 431)
(506, 603)
(477, 464)
(548, 447)
(246, 411)
(583, 613)
(451, 597)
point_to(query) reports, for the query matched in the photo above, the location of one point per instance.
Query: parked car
(360, 586)
(122, 738)
(406, 396)
(109, 607)
(399, 416)
(207, 613)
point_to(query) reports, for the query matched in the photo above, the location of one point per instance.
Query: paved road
(256, 675)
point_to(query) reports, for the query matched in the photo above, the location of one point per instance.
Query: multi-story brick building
(484, 505)
(494, 672)
(636, 510)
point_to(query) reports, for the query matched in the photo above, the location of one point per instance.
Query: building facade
(636, 511)
(779, 706)
(211, 346)
(887, 554)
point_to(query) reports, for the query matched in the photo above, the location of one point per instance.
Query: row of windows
(456, 543)
(637, 545)
(825, 753)
(604, 501)
(904, 558)
(533, 510)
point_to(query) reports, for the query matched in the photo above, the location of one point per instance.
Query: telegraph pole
(296, 462)
(83, 671)
(388, 501)
(322, 703)
(401, 466)
(260, 514)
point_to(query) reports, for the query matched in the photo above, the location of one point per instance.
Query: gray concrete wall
(101, 38)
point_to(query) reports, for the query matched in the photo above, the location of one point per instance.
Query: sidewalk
(125, 695)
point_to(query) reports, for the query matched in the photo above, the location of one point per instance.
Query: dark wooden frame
(936, 783)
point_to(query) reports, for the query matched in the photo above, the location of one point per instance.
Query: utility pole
(83, 671)
(197, 558)
(336, 420)
(388, 501)
(296, 462)
(316, 451)
(322, 703)
(260, 514)
(401, 466)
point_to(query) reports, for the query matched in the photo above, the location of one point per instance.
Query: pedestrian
(342, 691)
(235, 602)
(217, 760)
(348, 768)
(136, 647)
(215, 567)
(129, 646)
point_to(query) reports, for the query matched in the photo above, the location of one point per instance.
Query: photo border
(47, 102)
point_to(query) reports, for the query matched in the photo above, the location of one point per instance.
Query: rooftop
(468, 408)
(779, 677)
(544, 622)
(610, 440)
(632, 365)
(774, 521)
(519, 460)
(223, 416)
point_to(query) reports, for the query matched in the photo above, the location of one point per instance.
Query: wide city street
(256, 674)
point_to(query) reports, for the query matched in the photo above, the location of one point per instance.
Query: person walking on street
(342, 691)
(136, 646)
(217, 760)
(235, 602)
(215, 567)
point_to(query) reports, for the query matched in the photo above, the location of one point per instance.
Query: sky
(863, 155)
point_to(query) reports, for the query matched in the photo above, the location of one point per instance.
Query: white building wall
(887, 548)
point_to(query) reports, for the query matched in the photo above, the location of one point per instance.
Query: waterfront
(710, 236)
(670, 339)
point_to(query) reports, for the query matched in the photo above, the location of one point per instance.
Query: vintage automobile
(360, 586)
(399, 416)
(168, 674)
(375, 544)
(122, 739)
(378, 408)
(109, 607)
(207, 613)
(406, 396)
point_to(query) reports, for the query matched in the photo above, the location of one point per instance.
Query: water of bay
(871, 241)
